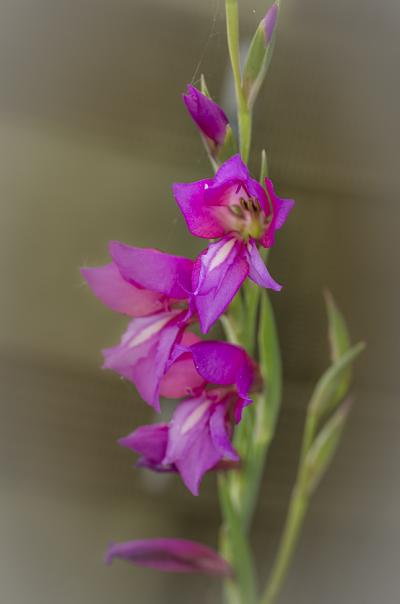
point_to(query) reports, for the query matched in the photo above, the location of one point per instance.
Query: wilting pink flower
(151, 286)
(171, 555)
(207, 115)
(236, 209)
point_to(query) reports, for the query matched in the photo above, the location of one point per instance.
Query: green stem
(235, 547)
(243, 111)
(291, 532)
(295, 516)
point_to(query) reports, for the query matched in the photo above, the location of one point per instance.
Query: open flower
(171, 555)
(152, 287)
(236, 209)
(198, 438)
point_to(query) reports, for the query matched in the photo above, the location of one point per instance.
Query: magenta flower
(236, 209)
(222, 364)
(171, 555)
(150, 442)
(207, 115)
(199, 436)
(197, 440)
(151, 286)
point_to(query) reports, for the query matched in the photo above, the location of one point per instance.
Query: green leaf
(257, 62)
(236, 547)
(229, 146)
(324, 447)
(251, 295)
(234, 321)
(330, 387)
(339, 338)
(270, 359)
(203, 86)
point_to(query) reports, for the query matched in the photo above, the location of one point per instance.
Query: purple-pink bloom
(207, 115)
(219, 272)
(269, 22)
(152, 287)
(197, 440)
(150, 442)
(223, 364)
(199, 436)
(143, 357)
(171, 555)
(236, 209)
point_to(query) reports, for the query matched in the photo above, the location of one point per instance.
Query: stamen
(236, 210)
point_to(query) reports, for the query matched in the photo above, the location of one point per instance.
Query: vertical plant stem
(294, 519)
(266, 407)
(243, 111)
(235, 546)
(291, 532)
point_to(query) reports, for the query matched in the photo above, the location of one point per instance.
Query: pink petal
(119, 295)
(198, 213)
(219, 433)
(153, 270)
(190, 446)
(171, 555)
(233, 169)
(258, 271)
(223, 363)
(280, 211)
(217, 276)
(150, 442)
(207, 115)
(143, 353)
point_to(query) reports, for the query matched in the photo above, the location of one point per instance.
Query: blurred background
(93, 133)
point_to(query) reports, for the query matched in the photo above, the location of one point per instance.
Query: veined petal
(217, 276)
(182, 378)
(258, 271)
(280, 210)
(233, 169)
(143, 353)
(151, 444)
(190, 446)
(118, 294)
(197, 212)
(153, 270)
(171, 555)
(219, 433)
(224, 363)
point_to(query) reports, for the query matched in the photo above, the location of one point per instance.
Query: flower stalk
(243, 112)
(232, 390)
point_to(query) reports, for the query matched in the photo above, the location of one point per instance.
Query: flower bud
(259, 54)
(207, 115)
(171, 555)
